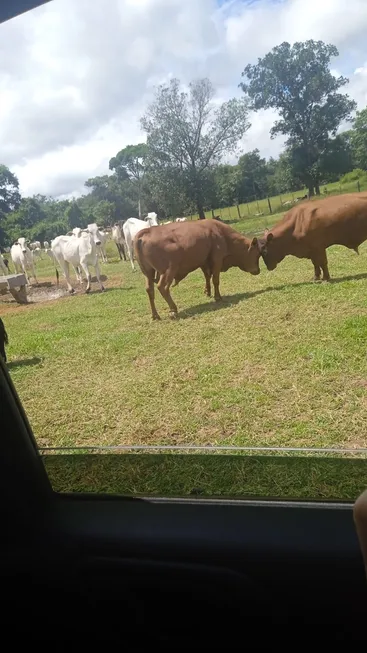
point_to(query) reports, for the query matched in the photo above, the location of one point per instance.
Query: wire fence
(258, 207)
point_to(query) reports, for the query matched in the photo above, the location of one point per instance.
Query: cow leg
(98, 275)
(324, 267)
(131, 255)
(26, 275)
(66, 271)
(320, 261)
(78, 274)
(164, 283)
(215, 278)
(34, 274)
(149, 287)
(317, 268)
(87, 274)
(123, 252)
(119, 250)
(207, 289)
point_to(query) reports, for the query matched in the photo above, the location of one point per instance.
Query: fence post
(258, 208)
(269, 206)
(358, 186)
(248, 208)
(212, 213)
(238, 211)
(221, 214)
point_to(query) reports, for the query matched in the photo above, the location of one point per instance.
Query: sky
(77, 75)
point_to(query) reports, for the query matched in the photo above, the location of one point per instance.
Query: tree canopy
(188, 133)
(297, 82)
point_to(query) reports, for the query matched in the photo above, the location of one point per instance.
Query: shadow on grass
(24, 362)
(230, 300)
(201, 475)
(97, 291)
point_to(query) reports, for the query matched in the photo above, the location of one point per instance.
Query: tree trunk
(317, 188)
(200, 211)
(310, 189)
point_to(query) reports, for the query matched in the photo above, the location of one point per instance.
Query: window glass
(195, 148)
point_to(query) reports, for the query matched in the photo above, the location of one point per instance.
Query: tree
(74, 215)
(9, 198)
(188, 133)
(252, 176)
(296, 81)
(358, 137)
(111, 189)
(129, 163)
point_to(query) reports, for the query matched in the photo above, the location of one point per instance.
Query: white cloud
(75, 77)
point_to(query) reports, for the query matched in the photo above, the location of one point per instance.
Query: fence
(268, 206)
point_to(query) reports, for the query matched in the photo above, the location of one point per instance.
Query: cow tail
(145, 270)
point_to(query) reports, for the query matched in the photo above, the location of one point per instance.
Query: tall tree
(358, 137)
(74, 215)
(252, 176)
(296, 81)
(129, 163)
(112, 190)
(188, 133)
(9, 198)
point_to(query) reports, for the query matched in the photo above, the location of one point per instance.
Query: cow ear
(269, 237)
(254, 242)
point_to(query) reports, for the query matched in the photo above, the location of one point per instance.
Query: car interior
(235, 573)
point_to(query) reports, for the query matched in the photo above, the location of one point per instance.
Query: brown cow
(307, 230)
(175, 250)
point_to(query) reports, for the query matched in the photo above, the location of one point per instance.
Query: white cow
(119, 240)
(46, 245)
(4, 269)
(100, 238)
(37, 253)
(181, 219)
(35, 245)
(77, 250)
(22, 258)
(132, 227)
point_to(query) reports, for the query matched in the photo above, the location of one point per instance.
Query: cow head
(267, 250)
(93, 229)
(152, 219)
(23, 244)
(252, 258)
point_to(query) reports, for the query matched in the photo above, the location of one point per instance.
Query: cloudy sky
(76, 75)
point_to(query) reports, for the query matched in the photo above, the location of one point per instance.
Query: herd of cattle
(168, 252)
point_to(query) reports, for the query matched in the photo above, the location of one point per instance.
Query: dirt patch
(44, 294)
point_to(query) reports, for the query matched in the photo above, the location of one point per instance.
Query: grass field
(282, 362)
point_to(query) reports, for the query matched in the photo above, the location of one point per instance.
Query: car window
(183, 257)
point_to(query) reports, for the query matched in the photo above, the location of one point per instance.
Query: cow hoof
(87, 290)
(316, 280)
(102, 288)
(173, 315)
(72, 291)
(218, 299)
(156, 318)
